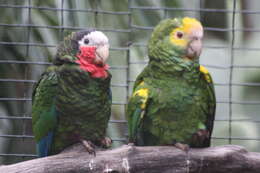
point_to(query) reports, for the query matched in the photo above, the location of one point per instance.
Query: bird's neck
(174, 68)
(94, 70)
(86, 59)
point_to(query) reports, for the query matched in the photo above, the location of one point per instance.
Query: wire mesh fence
(31, 29)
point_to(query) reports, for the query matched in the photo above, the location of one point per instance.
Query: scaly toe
(90, 147)
(183, 147)
(106, 142)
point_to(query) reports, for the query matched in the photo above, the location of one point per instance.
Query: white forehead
(96, 38)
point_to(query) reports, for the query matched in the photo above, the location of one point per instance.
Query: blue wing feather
(44, 145)
(44, 114)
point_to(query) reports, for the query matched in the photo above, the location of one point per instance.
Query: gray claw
(106, 142)
(183, 147)
(90, 147)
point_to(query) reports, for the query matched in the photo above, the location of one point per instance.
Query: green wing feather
(44, 118)
(211, 108)
(140, 77)
(136, 110)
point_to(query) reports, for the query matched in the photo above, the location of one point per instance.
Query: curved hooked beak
(195, 45)
(194, 48)
(102, 53)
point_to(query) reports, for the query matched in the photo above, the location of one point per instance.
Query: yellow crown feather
(188, 24)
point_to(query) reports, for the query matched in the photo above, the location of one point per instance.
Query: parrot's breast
(83, 104)
(175, 111)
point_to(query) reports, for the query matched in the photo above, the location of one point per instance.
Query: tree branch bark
(126, 159)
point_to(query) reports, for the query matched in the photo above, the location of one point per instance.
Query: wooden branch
(164, 159)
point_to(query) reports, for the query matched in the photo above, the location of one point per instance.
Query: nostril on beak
(196, 38)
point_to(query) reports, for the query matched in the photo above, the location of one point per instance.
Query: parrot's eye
(86, 41)
(179, 34)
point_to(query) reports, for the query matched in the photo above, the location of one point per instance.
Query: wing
(44, 116)
(211, 103)
(140, 77)
(135, 112)
(211, 108)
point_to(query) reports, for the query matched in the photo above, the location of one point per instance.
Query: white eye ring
(94, 38)
(84, 41)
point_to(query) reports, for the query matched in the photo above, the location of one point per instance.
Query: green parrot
(72, 100)
(173, 100)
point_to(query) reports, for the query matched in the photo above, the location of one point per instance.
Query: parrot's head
(176, 38)
(91, 45)
(88, 48)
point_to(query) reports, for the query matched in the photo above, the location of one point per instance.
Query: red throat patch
(86, 59)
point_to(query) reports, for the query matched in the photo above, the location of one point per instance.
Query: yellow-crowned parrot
(173, 101)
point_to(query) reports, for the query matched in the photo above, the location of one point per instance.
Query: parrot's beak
(195, 44)
(194, 49)
(102, 53)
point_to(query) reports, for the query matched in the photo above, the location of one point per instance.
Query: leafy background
(28, 37)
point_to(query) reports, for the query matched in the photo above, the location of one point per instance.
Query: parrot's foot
(106, 142)
(203, 134)
(183, 147)
(200, 136)
(131, 144)
(90, 147)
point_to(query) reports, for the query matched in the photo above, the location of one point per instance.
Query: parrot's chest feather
(179, 94)
(83, 104)
(175, 104)
(85, 93)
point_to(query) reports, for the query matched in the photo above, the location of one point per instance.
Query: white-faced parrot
(72, 99)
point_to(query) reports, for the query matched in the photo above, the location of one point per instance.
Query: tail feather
(44, 145)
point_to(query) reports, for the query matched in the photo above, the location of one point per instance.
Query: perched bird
(173, 101)
(72, 99)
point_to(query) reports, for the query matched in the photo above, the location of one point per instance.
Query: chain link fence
(31, 29)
